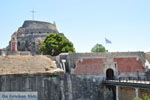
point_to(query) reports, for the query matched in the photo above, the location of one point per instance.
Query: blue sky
(85, 22)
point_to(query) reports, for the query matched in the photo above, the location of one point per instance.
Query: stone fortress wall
(71, 85)
(114, 60)
(55, 86)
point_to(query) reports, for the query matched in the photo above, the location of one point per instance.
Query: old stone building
(78, 76)
(82, 76)
(109, 65)
(30, 36)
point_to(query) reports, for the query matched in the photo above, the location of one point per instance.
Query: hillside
(27, 64)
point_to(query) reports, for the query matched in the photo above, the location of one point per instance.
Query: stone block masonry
(129, 93)
(122, 64)
(54, 86)
(30, 36)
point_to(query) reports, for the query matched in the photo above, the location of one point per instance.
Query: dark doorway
(110, 74)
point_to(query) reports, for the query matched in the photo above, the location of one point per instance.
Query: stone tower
(13, 43)
(30, 36)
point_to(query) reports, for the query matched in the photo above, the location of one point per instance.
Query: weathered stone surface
(30, 26)
(123, 64)
(30, 36)
(108, 94)
(72, 59)
(54, 87)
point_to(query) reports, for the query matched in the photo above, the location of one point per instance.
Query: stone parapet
(108, 54)
(73, 59)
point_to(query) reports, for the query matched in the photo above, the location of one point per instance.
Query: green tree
(54, 44)
(99, 48)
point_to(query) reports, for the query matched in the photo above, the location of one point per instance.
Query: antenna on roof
(33, 12)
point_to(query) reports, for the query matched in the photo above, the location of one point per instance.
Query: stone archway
(109, 74)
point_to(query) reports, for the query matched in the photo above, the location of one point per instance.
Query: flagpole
(108, 42)
(106, 45)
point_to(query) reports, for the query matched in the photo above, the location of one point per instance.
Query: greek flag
(107, 41)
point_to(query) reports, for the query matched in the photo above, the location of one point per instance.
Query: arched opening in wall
(109, 74)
